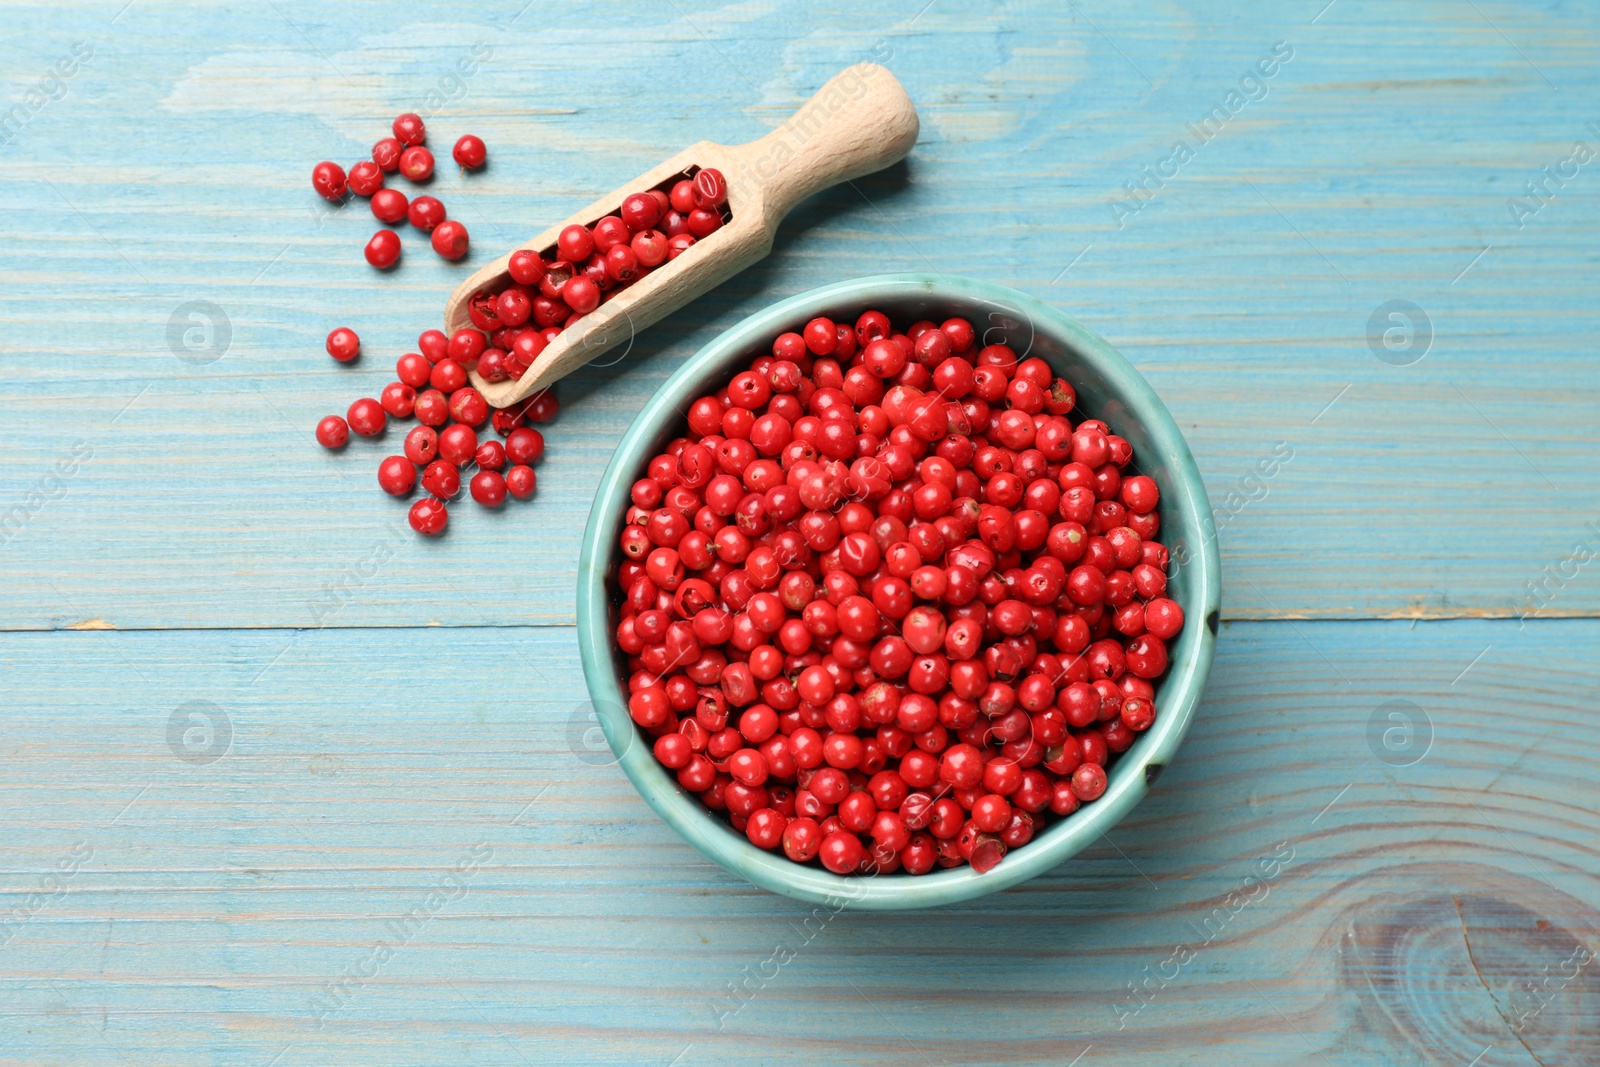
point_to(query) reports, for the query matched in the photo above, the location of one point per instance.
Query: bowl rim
(1131, 776)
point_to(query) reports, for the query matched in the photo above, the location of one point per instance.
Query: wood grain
(408, 761)
(1378, 167)
(221, 897)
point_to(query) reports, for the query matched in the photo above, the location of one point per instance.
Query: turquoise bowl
(1108, 388)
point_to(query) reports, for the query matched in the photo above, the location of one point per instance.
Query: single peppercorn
(470, 152)
(526, 267)
(429, 517)
(398, 399)
(409, 130)
(366, 417)
(416, 163)
(450, 239)
(390, 205)
(365, 178)
(425, 213)
(333, 432)
(329, 180)
(581, 295)
(383, 249)
(422, 445)
(489, 488)
(343, 344)
(521, 482)
(386, 153)
(710, 189)
(397, 476)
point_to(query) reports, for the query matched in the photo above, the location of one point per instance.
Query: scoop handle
(860, 121)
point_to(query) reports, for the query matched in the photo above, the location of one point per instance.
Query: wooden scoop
(859, 122)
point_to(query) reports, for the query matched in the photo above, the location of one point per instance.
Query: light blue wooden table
(282, 784)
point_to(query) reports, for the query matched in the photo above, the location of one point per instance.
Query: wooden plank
(408, 849)
(1378, 166)
(1339, 907)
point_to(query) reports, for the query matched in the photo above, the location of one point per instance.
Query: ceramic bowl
(1108, 388)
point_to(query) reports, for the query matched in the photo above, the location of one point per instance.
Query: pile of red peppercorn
(885, 605)
(510, 326)
(450, 413)
(552, 291)
(406, 153)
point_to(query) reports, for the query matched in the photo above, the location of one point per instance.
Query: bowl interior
(1108, 388)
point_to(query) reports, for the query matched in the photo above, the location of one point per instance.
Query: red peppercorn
(343, 344)
(766, 828)
(521, 482)
(1138, 714)
(450, 239)
(556, 275)
(468, 407)
(433, 344)
(422, 445)
(524, 445)
(447, 376)
(464, 346)
(386, 153)
(710, 189)
(841, 852)
(581, 294)
(470, 152)
(703, 223)
(491, 456)
(366, 417)
(414, 369)
(483, 308)
(508, 419)
(640, 211)
(622, 265)
(1163, 618)
(489, 488)
(991, 813)
(383, 249)
(575, 244)
(397, 476)
(429, 516)
(329, 180)
(333, 432)
(409, 130)
(416, 163)
(802, 838)
(942, 570)
(523, 352)
(425, 213)
(610, 232)
(389, 205)
(398, 399)
(442, 479)
(1146, 656)
(650, 247)
(365, 178)
(526, 267)
(821, 336)
(1089, 782)
(513, 307)
(681, 196)
(457, 446)
(431, 408)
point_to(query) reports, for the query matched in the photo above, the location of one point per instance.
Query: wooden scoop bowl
(860, 121)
